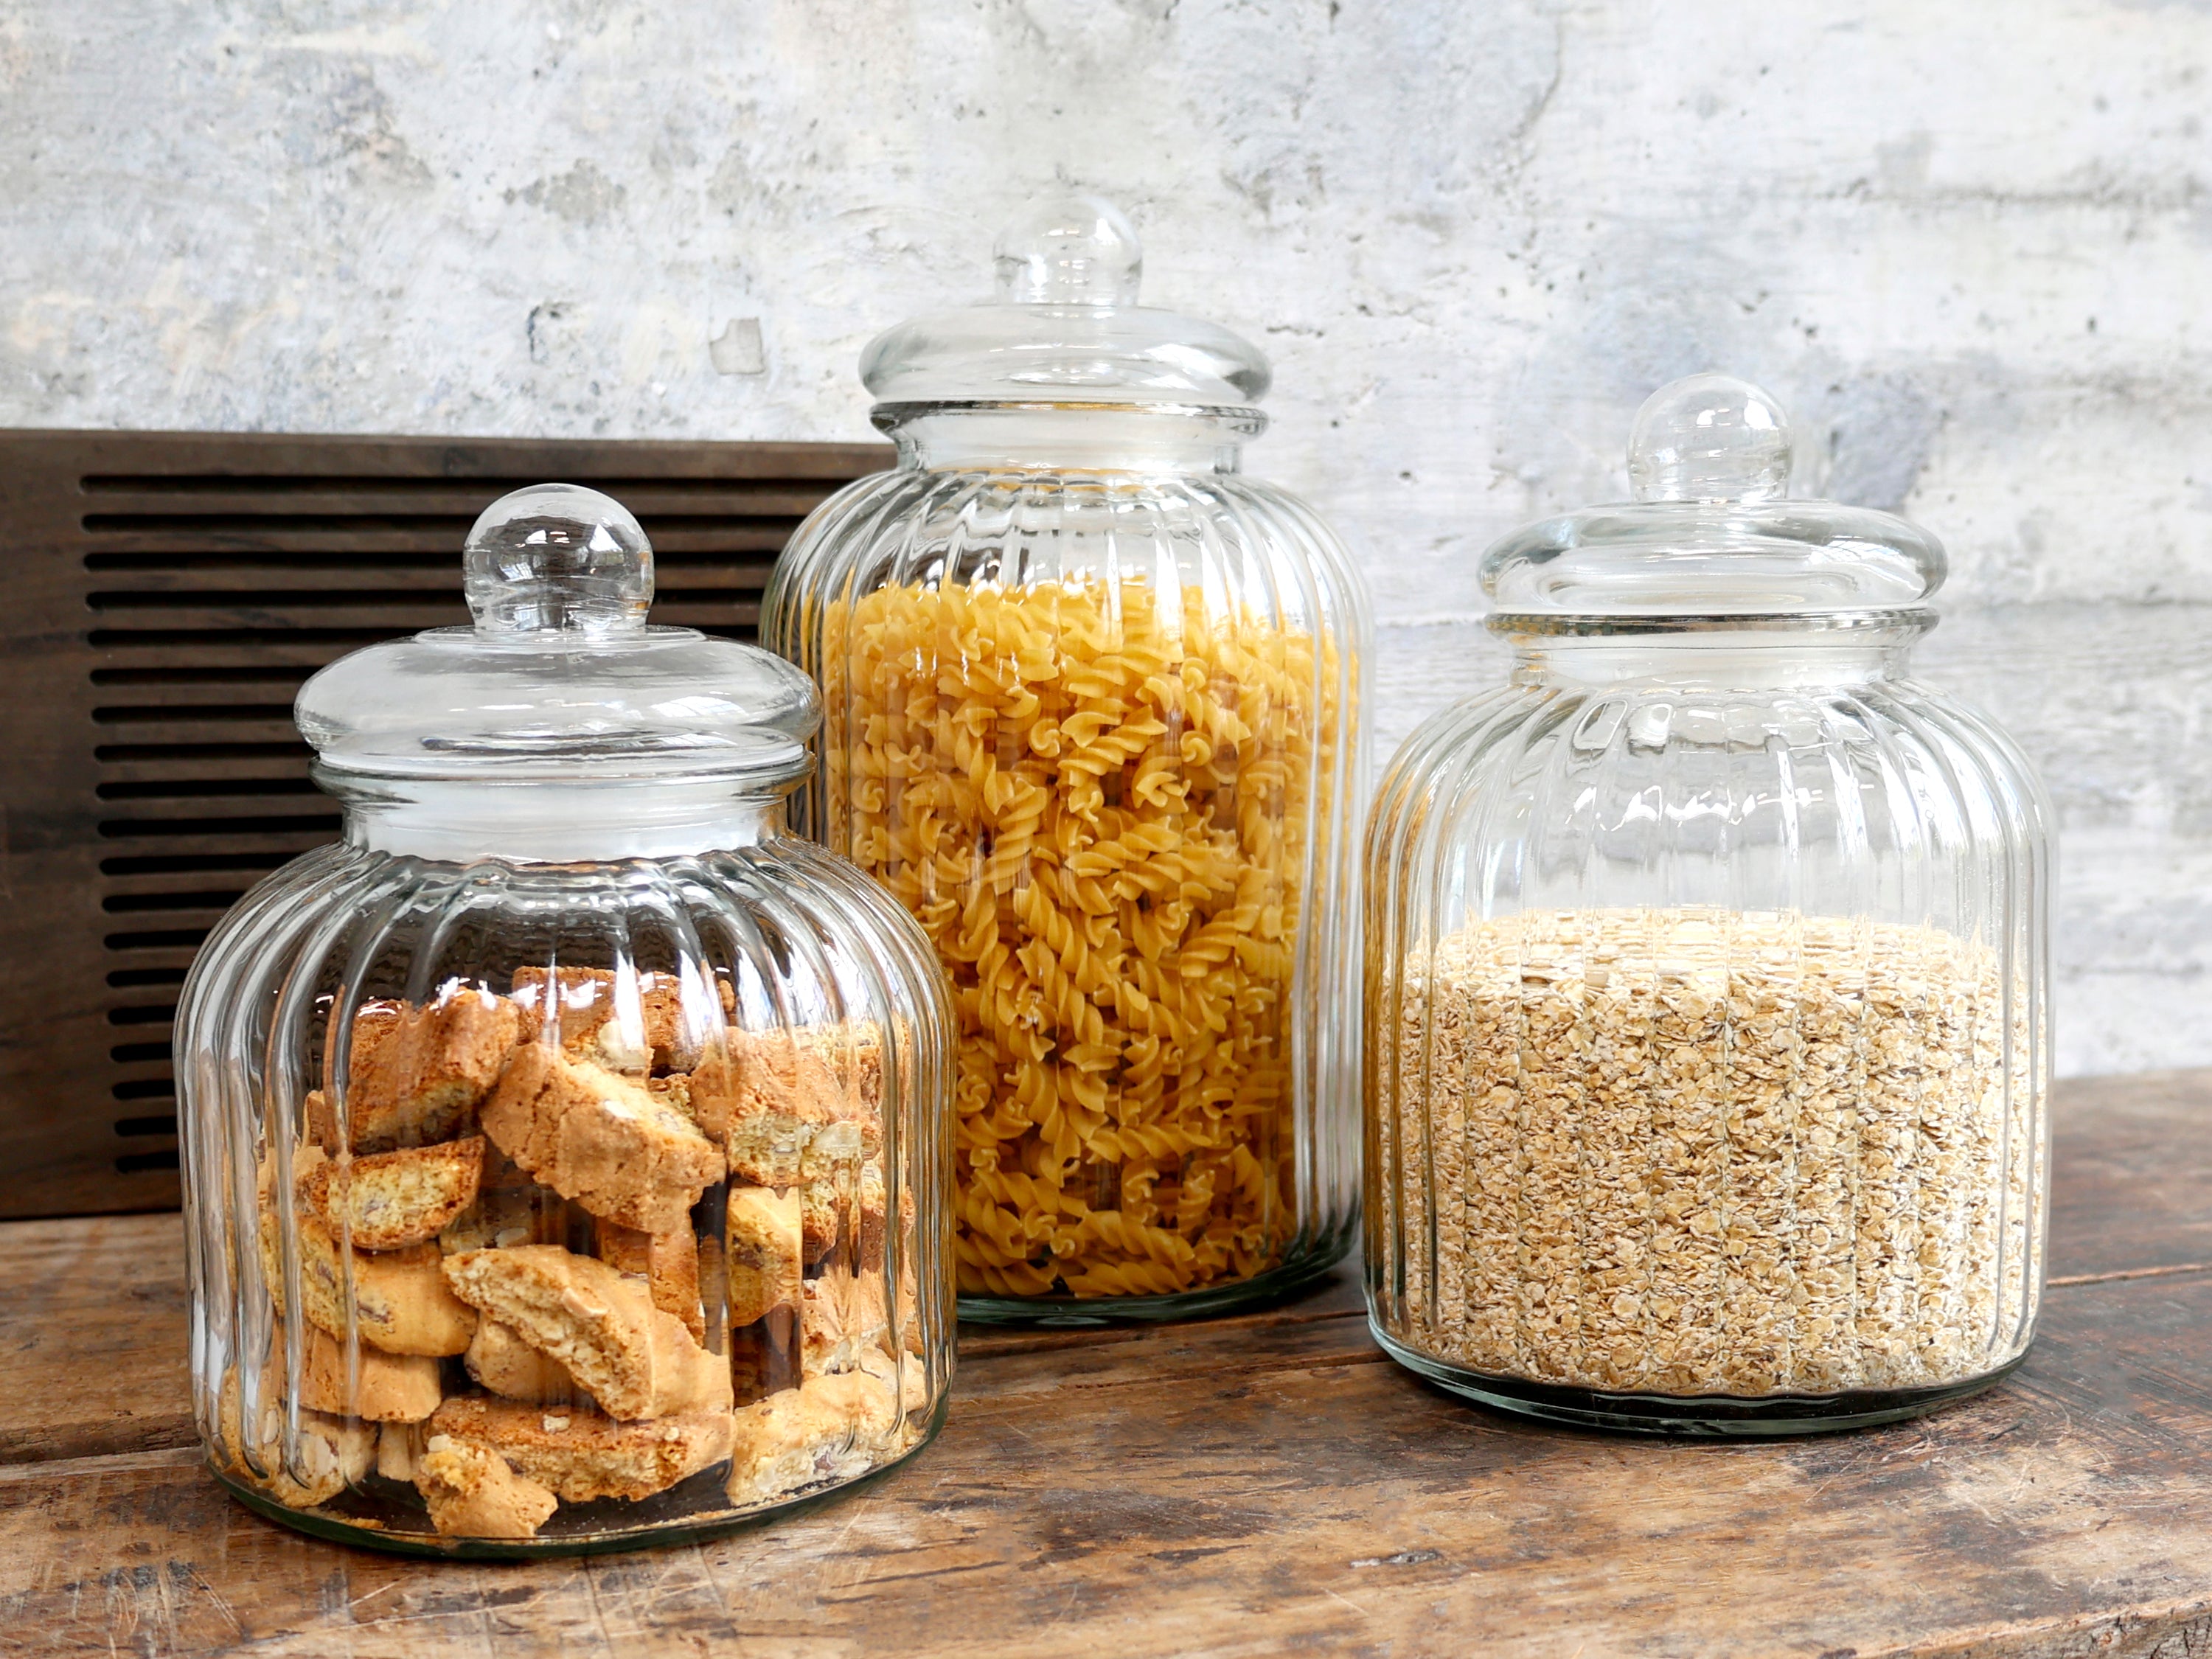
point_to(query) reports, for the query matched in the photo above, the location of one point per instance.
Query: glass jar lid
(1065, 327)
(561, 679)
(1713, 531)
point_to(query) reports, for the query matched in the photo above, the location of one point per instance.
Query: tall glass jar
(1092, 704)
(1708, 999)
(566, 1151)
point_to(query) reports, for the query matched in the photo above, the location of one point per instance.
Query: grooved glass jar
(565, 1151)
(1092, 714)
(1708, 988)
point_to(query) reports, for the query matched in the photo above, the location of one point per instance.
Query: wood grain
(2134, 1192)
(92, 1355)
(1255, 1486)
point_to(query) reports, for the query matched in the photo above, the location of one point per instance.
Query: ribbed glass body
(541, 1207)
(1707, 1011)
(1092, 715)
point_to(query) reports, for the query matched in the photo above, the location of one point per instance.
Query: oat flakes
(1700, 1152)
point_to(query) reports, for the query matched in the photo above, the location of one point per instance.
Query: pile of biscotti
(510, 1181)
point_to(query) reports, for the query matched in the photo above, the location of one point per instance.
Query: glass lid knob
(557, 556)
(1713, 531)
(1710, 438)
(1062, 328)
(1073, 251)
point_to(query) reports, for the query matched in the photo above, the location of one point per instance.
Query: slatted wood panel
(170, 591)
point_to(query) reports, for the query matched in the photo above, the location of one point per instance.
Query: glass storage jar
(1091, 712)
(565, 1151)
(1707, 1002)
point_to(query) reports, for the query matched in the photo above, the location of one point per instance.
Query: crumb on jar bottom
(1701, 1152)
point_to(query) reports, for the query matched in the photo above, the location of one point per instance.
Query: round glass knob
(1075, 251)
(558, 555)
(1710, 438)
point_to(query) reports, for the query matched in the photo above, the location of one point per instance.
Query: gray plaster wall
(1968, 243)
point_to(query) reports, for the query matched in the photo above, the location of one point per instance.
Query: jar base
(1205, 1302)
(643, 1535)
(1710, 1416)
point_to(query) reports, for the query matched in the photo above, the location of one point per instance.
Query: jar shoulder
(784, 905)
(1545, 739)
(923, 528)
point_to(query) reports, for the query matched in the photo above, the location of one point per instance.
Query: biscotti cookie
(399, 1450)
(389, 1199)
(765, 1356)
(668, 1262)
(416, 1074)
(650, 1035)
(632, 1358)
(503, 1363)
(400, 1298)
(765, 1259)
(333, 1452)
(583, 1455)
(386, 1388)
(504, 1216)
(673, 1090)
(839, 1212)
(306, 1158)
(829, 1428)
(903, 1379)
(600, 1139)
(852, 1052)
(789, 1109)
(471, 1492)
(840, 1318)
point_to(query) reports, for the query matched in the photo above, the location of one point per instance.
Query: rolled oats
(1695, 1151)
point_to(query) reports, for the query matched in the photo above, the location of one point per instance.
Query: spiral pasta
(1097, 806)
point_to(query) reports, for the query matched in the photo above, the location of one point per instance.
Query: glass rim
(766, 774)
(1518, 624)
(884, 416)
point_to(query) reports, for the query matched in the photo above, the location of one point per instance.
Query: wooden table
(1247, 1486)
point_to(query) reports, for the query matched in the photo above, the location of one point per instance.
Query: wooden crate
(171, 591)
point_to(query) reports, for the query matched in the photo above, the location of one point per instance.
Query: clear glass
(1063, 324)
(546, 1203)
(559, 679)
(1711, 531)
(1092, 715)
(1708, 1028)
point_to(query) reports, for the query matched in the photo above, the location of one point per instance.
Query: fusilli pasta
(1096, 805)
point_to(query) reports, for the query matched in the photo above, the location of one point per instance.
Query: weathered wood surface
(92, 1338)
(1241, 1486)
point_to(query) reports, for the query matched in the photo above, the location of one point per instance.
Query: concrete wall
(1968, 244)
